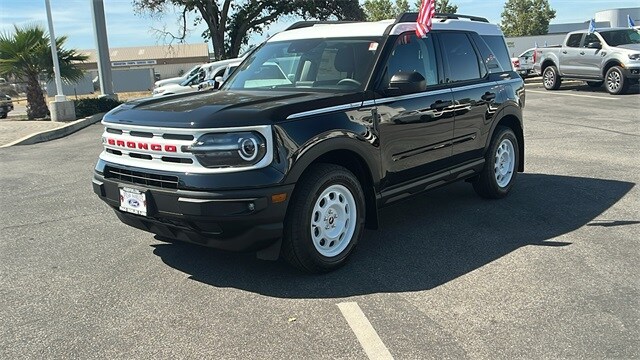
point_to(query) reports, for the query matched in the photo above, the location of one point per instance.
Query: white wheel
(501, 164)
(324, 220)
(505, 163)
(333, 220)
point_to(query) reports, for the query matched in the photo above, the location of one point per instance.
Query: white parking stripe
(366, 334)
(578, 95)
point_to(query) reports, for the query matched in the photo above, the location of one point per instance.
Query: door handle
(488, 96)
(564, 51)
(581, 52)
(439, 105)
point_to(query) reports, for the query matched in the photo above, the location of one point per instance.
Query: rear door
(570, 55)
(474, 94)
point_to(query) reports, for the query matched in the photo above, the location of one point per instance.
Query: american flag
(427, 10)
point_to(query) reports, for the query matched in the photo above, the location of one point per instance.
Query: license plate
(133, 201)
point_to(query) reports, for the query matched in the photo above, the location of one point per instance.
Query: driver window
(590, 38)
(410, 54)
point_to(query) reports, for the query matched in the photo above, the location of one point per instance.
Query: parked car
(610, 56)
(205, 75)
(319, 128)
(6, 105)
(523, 64)
(178, 79)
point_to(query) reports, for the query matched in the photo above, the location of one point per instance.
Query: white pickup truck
(610, 56)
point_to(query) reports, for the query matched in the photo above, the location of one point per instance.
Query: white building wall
(618, 17)
(518, 45)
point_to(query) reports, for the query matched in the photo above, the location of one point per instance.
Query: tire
(501, 165)
(616, 82)
(3, 115)
(550, 78)
(325, 219)
(595, 84)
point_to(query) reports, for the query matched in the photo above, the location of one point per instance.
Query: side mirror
(218, 81)
(594, 45)
(407, 83)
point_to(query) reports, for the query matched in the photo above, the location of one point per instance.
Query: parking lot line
(578, 95)
(366, 334)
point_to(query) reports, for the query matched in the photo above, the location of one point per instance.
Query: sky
(125, 28)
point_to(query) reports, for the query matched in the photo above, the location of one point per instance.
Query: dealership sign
(133, 63)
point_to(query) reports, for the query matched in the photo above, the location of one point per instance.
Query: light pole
(61, 108)
(104, 63)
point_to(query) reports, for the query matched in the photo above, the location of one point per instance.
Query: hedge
(88, 107)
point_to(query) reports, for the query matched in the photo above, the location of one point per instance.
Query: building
(557, 32)
(166, 61)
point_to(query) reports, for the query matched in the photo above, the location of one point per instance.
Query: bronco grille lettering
(141, 145)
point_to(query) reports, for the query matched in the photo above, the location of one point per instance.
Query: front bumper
(631, 72)
(234, 220)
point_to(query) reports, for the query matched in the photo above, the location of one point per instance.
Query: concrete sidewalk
(25, 132)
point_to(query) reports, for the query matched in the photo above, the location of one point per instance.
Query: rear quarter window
(499, 49)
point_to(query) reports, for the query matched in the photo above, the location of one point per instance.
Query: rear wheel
(550, 78)
(325, 219)
(616, 82)
(595, 84)
(501, 165)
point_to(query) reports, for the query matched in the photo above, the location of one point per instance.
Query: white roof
(370, 29)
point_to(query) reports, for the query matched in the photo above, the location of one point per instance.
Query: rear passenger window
(410, 54)
(460, 59)
(574, 40)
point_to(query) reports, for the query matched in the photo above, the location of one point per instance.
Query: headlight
(634, 56)
(228, 149)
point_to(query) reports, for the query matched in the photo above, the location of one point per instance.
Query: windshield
(621, 37)
(323, 64)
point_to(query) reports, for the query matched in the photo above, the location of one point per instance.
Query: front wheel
(500, 167)
(325, 219)
(550, 78)
(616, 82)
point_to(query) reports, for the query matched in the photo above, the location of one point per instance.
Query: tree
(526, 17)
(376, 10)
(230, 23)
(442, 6)
(26, 54)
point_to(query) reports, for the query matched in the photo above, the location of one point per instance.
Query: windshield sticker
(373, 46)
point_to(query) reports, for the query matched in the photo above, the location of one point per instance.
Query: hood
(632, 47)
(209, 109)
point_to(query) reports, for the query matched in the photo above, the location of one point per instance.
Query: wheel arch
(511, 117)
(344, 153)
(546, 63)
(608, 65)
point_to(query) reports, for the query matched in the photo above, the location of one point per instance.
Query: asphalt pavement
(549, 272)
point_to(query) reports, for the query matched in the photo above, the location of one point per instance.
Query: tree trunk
(36, 104)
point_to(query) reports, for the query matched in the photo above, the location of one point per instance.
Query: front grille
(141, 178)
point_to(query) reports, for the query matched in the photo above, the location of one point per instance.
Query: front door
(415, 129)
(591, 59)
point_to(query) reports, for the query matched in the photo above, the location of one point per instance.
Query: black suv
(317, 129)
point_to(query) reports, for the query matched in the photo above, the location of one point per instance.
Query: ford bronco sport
(317, 129)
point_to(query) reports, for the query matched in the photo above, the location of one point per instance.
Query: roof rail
(413, 17)
(304, 24)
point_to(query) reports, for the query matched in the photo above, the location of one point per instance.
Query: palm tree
(26, 54)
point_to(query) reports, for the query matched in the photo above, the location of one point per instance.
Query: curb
(57, 133)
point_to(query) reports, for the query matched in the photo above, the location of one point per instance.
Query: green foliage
(88, 107)
(376, 10)
(526, 17)
(26, 54)
(230, 23)
(442, 6)
(26, 51)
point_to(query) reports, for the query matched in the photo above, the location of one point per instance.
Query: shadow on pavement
(423, 242)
